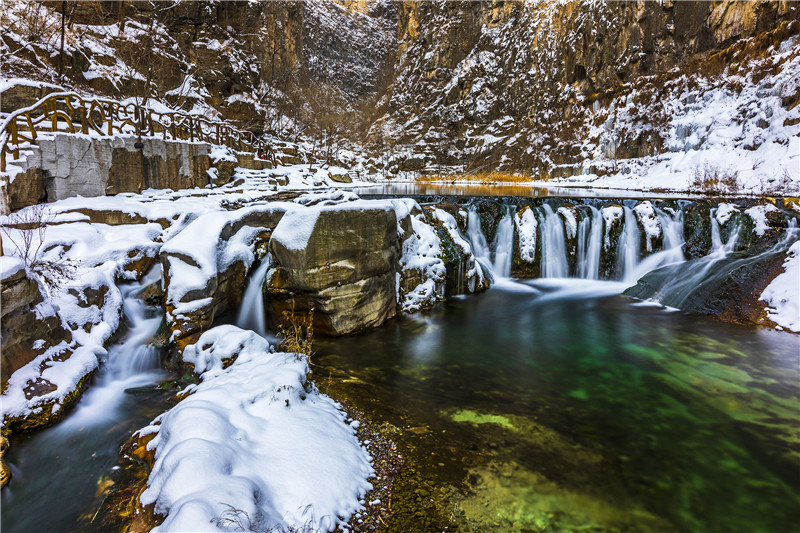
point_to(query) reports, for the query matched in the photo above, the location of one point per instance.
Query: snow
(295, 228)
(610, 215)
(570, 222)
(526, 233)
(646, 214)
(255, 437)
(10, 265)
(783, 293)
(724, 213)
(421, 254)
(222, 153)
(759, 216)
(474, 274)
(185, 223)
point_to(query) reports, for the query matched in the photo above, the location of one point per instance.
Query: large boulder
(23, 334)
(338, 261)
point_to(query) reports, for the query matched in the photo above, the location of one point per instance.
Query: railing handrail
(115, 117)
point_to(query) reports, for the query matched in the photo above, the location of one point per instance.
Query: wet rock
(490, 212)
(5, 472)
(697, 229)
(613, 223)
(730, 290)
(569, 218)
(345, 271)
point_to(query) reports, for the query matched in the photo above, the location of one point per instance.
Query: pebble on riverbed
(386, 461)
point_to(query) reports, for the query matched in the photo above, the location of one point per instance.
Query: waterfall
(495, 259)
(717, 246)
(554, 245)
(672, 249)
(590, 244)
(503, 243)
(132, 363)
(252, 314)
(480, 249)
(629, 243)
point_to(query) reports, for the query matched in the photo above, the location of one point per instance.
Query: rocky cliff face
(551, 88)
(524, 83)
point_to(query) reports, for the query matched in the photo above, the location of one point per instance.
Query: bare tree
(26, 229)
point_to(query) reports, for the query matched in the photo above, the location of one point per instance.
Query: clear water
(557, 406)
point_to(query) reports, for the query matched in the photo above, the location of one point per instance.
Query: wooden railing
(67, 112)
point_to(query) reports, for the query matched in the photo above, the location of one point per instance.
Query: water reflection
(413, 188)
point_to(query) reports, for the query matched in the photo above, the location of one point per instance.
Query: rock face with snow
(338, 262)
(21, 328)
(205, 265)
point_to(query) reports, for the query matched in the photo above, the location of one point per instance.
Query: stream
(552, 404)
(60, 473)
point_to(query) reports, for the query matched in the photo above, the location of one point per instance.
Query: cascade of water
(480, 248)
(554, 245)
(590, 244)
(719, 248)
(252, 314)
(132, 363)
(672, 252)
(503, 242)
(629, 243)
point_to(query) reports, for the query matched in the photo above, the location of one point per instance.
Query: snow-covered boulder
(206, 263)
(254, 440)
(338, 260)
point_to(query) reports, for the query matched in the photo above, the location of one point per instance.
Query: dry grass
(297, 331)
(477, 177)
(713, 179)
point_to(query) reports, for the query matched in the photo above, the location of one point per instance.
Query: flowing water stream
(557, 406)
(58, 474)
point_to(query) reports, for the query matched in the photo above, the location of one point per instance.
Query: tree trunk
(61, 52)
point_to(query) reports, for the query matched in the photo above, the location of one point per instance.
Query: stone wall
(64, 165)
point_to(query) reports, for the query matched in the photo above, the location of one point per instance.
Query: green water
(518, 412)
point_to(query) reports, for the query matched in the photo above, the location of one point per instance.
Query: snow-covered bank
(105, 241)
(783, 294)
(254, 437)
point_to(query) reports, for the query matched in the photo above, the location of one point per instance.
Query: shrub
(26, 230)
(297, 331)
(713, 179)
(782, 184)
